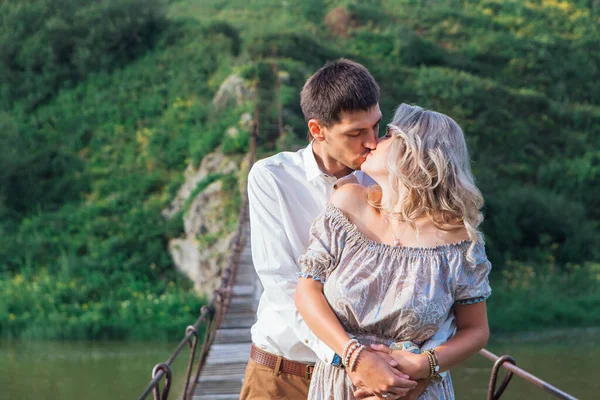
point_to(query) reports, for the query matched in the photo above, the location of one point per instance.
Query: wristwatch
(337, 361)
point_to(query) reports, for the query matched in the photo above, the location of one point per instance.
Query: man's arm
(374, 371)
(274, 258)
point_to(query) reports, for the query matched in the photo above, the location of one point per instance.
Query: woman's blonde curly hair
(428, 158)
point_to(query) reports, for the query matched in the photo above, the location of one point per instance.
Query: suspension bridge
(221, 335)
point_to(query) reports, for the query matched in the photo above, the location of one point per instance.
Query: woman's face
(376, 160)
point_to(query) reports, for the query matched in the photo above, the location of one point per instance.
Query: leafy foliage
(49, 44)
(105, 103)
(83, 184)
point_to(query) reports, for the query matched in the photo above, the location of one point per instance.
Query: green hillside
(104, 103)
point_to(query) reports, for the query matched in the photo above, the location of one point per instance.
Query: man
(286, 192)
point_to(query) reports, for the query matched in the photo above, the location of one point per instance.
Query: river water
(120, 370)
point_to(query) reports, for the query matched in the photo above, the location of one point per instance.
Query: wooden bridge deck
(221, 377)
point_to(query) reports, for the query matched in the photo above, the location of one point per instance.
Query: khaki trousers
(263, 383)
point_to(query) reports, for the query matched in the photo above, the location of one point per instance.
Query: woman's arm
(310, 300)
(372, 370)
(314, 308)
(472, 334)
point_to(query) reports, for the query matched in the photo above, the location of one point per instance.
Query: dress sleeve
(472, 279)
(326, 241)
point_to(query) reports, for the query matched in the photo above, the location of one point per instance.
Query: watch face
(337, 361)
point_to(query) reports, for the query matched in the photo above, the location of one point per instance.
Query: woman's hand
(411, 364)
(414, 365)
(376, 374)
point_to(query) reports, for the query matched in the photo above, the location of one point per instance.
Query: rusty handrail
(510, 365)
(211, 315)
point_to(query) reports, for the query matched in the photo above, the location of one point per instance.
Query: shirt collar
(310, 163)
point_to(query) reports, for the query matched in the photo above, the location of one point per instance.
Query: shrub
(524, 220)
(47, 46)
(240, 143)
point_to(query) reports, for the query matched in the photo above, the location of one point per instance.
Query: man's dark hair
(341, 85)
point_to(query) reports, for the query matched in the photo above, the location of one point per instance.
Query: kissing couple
(374, 272)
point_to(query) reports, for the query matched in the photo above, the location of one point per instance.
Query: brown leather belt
(286, 366)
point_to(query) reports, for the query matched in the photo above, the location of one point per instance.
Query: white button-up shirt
(286, 193)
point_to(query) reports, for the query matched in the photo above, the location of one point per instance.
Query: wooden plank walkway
(222, 375)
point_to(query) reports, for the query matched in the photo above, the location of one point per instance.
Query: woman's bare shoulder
(351, 198)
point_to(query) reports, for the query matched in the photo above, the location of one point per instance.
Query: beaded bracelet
(433, 364)
(435, 357)
(344, 353)
(355, 360)
(349, 353)
(430, 361)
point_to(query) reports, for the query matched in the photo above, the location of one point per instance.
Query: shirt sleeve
(472, 279)
(274, 259)
(323, 249)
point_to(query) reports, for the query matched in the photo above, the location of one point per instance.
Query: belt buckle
(308, 371)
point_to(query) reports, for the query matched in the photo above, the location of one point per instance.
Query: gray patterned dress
(387, 294)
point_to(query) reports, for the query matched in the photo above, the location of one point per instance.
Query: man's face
(353, 137)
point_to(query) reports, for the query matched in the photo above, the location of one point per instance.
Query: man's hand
(413, 394)
(376, 374)
(405, 361)
(363, 392)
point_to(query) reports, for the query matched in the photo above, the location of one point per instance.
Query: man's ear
(316, 129)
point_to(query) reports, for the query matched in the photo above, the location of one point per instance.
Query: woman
(386, 265)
